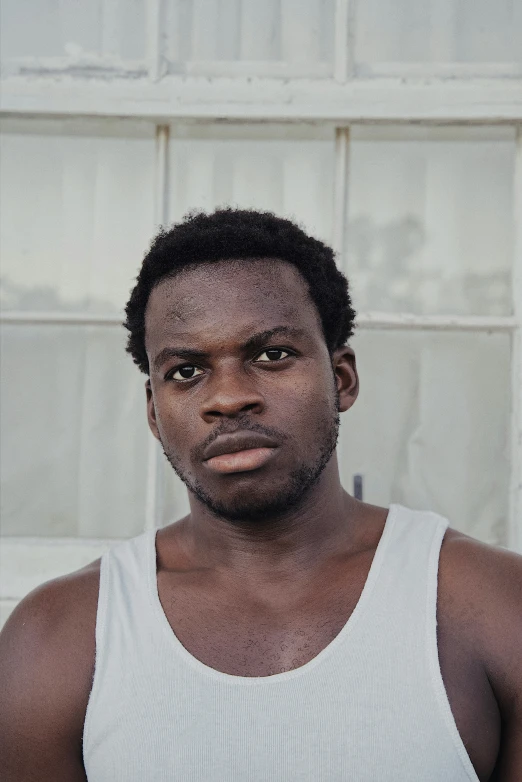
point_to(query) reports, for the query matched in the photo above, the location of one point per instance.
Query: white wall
(390, 130)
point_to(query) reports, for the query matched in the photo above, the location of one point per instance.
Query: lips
(240, 461)
(239, 441)
(239, 452)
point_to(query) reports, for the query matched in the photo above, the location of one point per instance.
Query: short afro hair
(241, 234)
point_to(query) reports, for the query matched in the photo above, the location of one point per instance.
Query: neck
(301, 542)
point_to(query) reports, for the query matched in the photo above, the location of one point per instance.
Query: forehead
(223, 298)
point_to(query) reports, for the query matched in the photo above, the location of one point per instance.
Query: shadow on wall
(388, 273)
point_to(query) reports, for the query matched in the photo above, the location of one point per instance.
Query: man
(282, 630)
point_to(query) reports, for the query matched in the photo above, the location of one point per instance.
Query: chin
(248, 512)
(248, 506)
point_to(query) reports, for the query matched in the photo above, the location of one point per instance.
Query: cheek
(310, 398)
(175, 422)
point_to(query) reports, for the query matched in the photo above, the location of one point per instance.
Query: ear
(346, 377)
(151, 410)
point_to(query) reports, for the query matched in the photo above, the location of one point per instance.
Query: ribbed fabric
(370, 707)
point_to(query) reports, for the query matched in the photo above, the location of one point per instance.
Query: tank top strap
(404, 597)
(415, 534)
(124, 626)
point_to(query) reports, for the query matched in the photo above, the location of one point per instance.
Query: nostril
(231, 402)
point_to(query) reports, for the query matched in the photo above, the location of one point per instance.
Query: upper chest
(242, 637)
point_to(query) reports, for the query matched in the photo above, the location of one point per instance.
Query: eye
(273, 354)
(186, 372)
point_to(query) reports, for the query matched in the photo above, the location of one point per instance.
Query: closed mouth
(245, 460)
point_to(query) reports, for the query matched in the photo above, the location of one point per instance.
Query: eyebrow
(255, 341)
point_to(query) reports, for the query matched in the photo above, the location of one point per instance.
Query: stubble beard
(245, 510)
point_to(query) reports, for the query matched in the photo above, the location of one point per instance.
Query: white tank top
(371, 706)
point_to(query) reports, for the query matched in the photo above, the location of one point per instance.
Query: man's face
(237, 347)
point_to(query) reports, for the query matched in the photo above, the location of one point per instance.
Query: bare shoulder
(47, 652)
(55, 625)
(480, 601)
(481, 584)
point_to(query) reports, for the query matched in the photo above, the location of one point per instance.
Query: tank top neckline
(201, 667)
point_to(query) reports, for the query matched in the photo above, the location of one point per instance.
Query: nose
(231, 392)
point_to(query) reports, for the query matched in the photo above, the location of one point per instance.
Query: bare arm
(505, 664)
(46, 663)
(490, 589)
